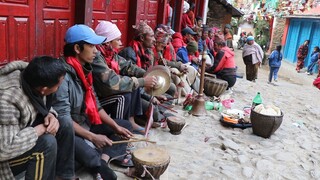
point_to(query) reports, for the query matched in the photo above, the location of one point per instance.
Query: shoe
(269, 82)
(275, 80)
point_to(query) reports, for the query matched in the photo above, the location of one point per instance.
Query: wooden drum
(214, 86)
(154, 159)
(175, 124)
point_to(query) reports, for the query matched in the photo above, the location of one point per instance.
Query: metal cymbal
(162, 74)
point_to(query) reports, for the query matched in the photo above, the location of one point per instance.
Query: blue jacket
(314, 57)
(275, 59)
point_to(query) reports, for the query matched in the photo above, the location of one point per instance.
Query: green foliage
(262, 32)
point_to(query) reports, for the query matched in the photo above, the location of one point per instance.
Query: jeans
(310, 67)
(65, 157)
(39, 162)
(274, 73)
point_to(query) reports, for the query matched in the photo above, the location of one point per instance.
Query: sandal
(126, 162)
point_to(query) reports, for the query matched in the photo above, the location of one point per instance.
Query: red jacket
(226, 61)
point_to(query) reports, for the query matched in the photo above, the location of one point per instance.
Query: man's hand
(150, 82)
(123, 132)
(161, 98)
(195, 60)
(40, 129)
(52, 124)
(101, 141)
(184, 68)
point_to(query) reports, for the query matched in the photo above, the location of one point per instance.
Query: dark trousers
(88, 156)
(66, 147)
(39, 162)
(124, 105)
(251, 69)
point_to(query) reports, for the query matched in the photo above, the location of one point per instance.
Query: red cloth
(166, 16)
(186, 22)
(316, 83)
(169, 52)
(90, 100)
(140, 52)
(191, 17)
(108, 54)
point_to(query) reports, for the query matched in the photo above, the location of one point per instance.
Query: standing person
(75, 101)
(315, 56)
(275, 63)
(168, 14)
(186, 21)
(228, 35)
(302, 54)
(32, 138)
(252, 55)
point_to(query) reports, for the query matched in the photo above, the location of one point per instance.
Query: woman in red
(302, 54)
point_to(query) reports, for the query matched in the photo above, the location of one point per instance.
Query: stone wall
(217, 15)
(278, 31)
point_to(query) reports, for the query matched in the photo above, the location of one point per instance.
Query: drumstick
(167, 108)
(127, 141)
(184, 126)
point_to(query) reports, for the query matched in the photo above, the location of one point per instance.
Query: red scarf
(90, 100)
(108, 54)
(145, 62)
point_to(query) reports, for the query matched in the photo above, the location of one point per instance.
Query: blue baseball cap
(250, 38)
(81, 32)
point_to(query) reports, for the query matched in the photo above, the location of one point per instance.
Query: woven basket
(263, 125)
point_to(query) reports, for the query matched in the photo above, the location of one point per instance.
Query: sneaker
(276, 80)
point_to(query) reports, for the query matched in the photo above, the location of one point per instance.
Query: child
(275, 63)
(314, 60)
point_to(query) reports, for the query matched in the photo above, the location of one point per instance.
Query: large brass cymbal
(162, 74)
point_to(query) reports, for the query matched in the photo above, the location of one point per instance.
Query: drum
(154, 159)
(214, 86)
(175, 124)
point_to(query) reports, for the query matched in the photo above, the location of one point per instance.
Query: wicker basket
(263, 125)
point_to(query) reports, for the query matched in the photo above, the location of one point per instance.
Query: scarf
(109, 54)
(37, 101)
(90, 100)
(143, 59)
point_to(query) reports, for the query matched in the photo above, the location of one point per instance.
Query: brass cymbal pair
(163, 76)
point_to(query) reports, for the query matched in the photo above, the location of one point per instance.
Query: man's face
(199, 23)
(47, 91)
(87, 55)
(116, 43)
(205, 35)
(211, 34)
(160, 46)
(149, 40)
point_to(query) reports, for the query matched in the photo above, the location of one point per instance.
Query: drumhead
(175, 119)
(151, 156)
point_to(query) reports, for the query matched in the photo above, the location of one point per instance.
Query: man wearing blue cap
(252, 55)
(76, 101)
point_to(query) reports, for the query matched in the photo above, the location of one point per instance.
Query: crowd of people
(59, 115)
(67, 112)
